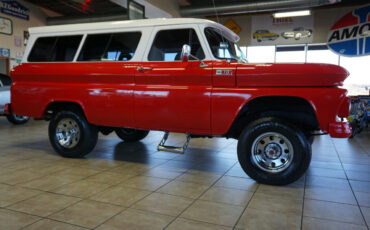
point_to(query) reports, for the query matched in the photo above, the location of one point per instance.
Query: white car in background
(5, 82)
(297, 33)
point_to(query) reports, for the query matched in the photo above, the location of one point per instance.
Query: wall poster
(267, 30)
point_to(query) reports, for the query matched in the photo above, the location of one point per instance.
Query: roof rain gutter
(253, 7)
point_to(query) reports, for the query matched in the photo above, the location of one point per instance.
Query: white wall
(37, 18)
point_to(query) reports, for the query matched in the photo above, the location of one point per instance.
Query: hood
(281, 75)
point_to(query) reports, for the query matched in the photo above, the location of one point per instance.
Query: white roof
(131, 24)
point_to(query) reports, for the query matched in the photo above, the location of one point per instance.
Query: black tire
(88, 134)
(17, 120)
(300, 145)
(131, 135)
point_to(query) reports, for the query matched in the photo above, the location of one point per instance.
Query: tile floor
(132, 186)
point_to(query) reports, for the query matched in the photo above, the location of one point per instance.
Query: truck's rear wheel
(131, 135)
(272, 151)
(71, 135)
(17, 120)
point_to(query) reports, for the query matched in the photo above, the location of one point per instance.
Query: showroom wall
(324, 19)
(15, 42)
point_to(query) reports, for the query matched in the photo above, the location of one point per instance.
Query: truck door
(170, 94)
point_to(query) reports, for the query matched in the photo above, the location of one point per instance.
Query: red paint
(340, 130)
(175, 96)
(347, 20)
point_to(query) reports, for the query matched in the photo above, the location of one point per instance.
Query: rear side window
(110, 47)
(167, 45)
(55, 49)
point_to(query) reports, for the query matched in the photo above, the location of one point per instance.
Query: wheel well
(293, 109)
(54, 107)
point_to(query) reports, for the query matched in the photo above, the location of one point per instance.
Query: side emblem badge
(224, 72)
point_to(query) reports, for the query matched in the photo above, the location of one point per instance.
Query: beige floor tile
(12, 194)
(186, 189)
(363, 198)
(163, 204)
(310, 223)
(334, 195)
(335, 173)
(47, 224)
(265, 220)
(131, 168)
(146, 183)
(360, 186)
(51, 182)
(211, 212)
(79, 171)
(121, 195)
(17, 177)
(237, 183)
(10, 220)
(185, 224)
(333, 211)
(162, 172)
(109, 178)
(48, 169)
(87, 213)
(355, 175)
(294, 190)
(366, 213)
(275, 204)
(137, 220)
(44, 204)
(228, 196)
(81, 188)
(327, 182)
(199, 177)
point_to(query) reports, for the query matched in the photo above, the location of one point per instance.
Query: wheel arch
(57, 105)
(297, 110)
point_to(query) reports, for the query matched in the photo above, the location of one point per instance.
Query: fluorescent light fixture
(292, 14)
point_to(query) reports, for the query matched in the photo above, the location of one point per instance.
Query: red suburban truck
(177, 75)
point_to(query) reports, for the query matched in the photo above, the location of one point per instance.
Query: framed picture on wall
(6, 26)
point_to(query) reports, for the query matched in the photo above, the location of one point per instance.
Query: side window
(55, 49)
(167, 45)
(110, 47)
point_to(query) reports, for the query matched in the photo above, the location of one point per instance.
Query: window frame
(52, 36)
(175, 27)
(108, 32)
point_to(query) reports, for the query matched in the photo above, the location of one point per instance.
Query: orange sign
(233, 26)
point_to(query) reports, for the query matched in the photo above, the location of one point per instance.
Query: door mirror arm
(186, 53)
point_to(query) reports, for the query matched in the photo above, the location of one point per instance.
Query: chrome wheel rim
(272, 152)
(68, 133)
(19, 118)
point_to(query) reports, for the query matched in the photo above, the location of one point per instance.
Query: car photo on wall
(265, 35)
(297, 33)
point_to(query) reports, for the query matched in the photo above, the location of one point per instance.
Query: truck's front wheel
(272, 151)
(71, 135)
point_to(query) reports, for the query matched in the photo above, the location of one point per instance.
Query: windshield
(222, 48)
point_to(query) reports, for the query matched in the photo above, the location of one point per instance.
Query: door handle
(141, 68)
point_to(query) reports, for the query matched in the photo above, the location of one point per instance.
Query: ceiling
(81, 7)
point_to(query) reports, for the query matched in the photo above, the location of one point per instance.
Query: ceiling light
(292, 14)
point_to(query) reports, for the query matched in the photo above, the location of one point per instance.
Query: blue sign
(15, 9)
(350, 36)
(4, 52)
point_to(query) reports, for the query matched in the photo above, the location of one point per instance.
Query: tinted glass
(110, 47)
(55, 49)
(168, 44)
(221, 47)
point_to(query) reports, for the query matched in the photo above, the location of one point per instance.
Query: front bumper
(340, 129)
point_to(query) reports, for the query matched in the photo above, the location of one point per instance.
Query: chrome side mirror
(185, 53)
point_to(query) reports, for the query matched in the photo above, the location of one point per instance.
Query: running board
(173, 149)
